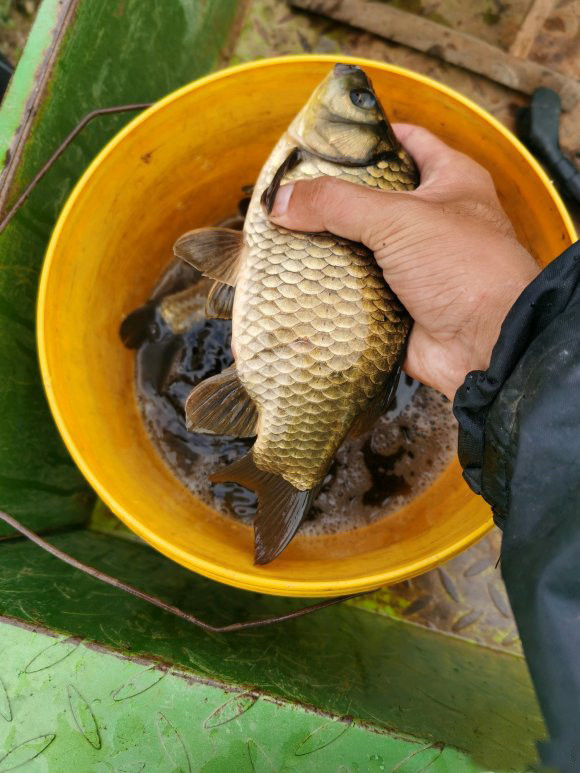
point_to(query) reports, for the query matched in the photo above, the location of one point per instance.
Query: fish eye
(363, 98)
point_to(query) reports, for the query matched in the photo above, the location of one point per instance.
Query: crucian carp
(318, 336)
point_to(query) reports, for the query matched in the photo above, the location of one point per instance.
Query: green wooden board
(66, 71)
(344, 661)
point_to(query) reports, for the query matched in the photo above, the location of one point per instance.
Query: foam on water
(371, 476)
(383, 470)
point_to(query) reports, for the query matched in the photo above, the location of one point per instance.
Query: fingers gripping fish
(318, 336)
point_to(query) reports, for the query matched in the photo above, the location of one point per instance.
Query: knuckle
(472, 172)
(317, 194)
(485, 211)
(392, 215)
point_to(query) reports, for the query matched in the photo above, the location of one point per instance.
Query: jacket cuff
(535, 309)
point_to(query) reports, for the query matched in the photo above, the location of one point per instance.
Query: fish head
(344, 122)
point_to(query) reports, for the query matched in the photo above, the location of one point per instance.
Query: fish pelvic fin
(220, 405)
(281, 506)
(216, 252)
(379, 404)
(220, 301)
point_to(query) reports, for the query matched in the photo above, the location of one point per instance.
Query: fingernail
(282, 200)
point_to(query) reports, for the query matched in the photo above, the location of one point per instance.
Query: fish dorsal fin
(221, 406)
(220, 301)
(216, 252)
(281, 506)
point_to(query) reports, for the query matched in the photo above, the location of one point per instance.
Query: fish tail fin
(281, 506)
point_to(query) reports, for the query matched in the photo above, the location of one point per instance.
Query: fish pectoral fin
(220, 301)
(216, 252)
(378, 405)
(269, 194)
(281, 506)
(220, 405)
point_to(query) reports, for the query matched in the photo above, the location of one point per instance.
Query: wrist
(478, 340)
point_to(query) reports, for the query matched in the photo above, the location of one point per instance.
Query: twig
(537, 14)
(446, 44)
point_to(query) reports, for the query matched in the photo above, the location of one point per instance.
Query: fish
(178, 301)
(318, 336)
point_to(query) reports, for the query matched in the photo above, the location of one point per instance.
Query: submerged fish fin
(220, 301)
(221, 406)
(281, 506)
(216, 252)
(243, 206)
(134, 329)
(269, 195)
(378, 404)
(182, 309)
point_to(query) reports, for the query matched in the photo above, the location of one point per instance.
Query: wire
(60, 150)
(115, 583)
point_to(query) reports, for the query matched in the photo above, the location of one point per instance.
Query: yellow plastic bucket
(180, 165)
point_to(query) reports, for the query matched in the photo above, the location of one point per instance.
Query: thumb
(342, 208)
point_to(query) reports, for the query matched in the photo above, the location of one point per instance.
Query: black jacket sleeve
(519, 445)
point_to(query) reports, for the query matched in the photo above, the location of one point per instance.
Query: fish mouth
(340, 70)
(346, 69)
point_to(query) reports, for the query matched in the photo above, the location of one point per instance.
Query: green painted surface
(347, 662)
(22, 85)
(111, 53)
(88, 710)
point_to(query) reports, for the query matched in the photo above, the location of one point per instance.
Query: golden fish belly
(316, 331)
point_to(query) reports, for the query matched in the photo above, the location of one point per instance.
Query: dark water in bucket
(371, 475)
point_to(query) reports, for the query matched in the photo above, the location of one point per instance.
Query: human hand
(447, 250)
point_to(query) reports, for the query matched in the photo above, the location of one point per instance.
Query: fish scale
(324, 329)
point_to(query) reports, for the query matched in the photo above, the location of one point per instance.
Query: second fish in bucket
(318, 336)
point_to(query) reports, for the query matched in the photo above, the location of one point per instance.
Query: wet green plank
(81, 55)
(89, 710)
(344, 661)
